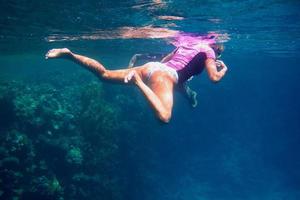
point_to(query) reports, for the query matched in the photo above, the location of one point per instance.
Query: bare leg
(92, 65)
(188, 93)
(159, 94)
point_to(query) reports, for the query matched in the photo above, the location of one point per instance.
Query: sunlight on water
(270, 26)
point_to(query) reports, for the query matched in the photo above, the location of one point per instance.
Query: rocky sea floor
(64, 138)
(67, 135)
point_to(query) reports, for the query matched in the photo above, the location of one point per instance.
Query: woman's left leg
(94, 66)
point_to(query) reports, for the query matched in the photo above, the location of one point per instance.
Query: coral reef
(61, 140)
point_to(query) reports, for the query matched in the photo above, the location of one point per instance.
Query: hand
(220, 64)
(132, 76)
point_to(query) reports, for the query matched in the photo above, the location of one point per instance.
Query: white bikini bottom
(158, 66)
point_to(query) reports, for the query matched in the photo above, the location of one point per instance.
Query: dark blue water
(66, 135)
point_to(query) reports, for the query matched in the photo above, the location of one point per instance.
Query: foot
(194, 101)
(57, 53)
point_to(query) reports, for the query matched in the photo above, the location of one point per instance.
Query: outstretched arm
(146, 57)
(133, 60)
(169, 56)
(212, 69)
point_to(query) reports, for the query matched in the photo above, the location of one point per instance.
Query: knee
(105, 74)
(165, 117)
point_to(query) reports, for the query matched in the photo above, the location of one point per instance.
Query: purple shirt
(189, 60)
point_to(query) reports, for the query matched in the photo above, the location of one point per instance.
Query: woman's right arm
(212, 69)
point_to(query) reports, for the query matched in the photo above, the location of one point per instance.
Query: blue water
(240, 142)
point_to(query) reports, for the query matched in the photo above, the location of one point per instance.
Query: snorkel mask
(218, 49)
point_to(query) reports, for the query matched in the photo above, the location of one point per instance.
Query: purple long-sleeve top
(189, 60)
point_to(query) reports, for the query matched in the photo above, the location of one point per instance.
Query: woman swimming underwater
(157, 80)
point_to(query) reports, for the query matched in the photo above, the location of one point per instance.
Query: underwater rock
(44, 188)
(10, 163)
(7, 114)
(16, 141)
(55, 186)
(74, 156)
(63, 142)
(86, 179)
(3, 152)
